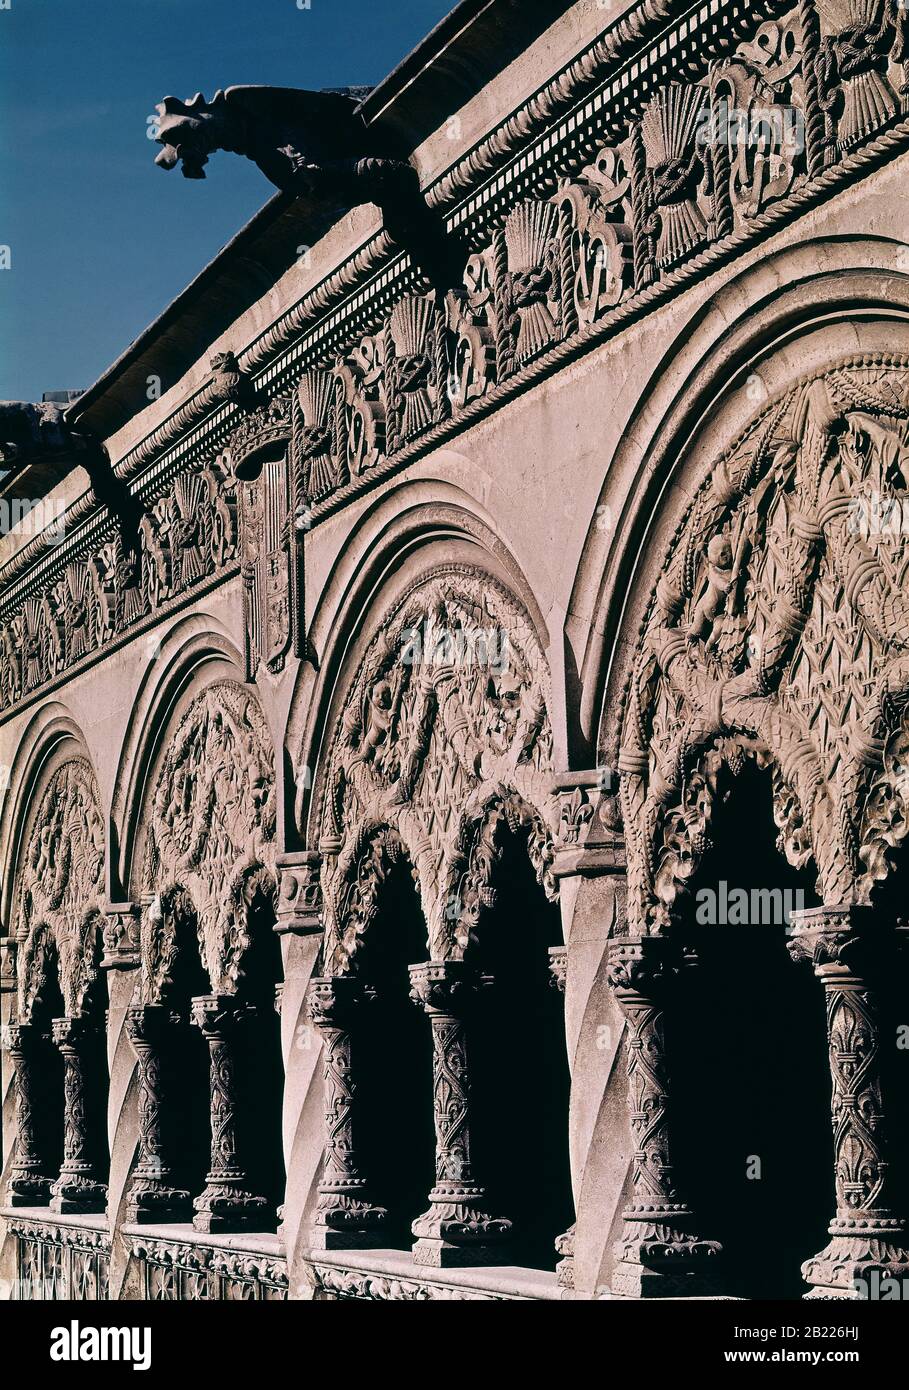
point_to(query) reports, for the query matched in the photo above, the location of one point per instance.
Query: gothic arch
(58, 885)
(447, 708)
(195, 651)
(208, 823)
(778, 630)
(398, 537)
(723, 365)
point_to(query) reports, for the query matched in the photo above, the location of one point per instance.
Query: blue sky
(100, 240)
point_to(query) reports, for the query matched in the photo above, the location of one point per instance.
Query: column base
(346, 1219)
(28, 1192)
(78, 1197)
(564, 1245)
(442, 1254)
(455, 1231)
(152, 1206)
(221, 1211)
(859, 1258)
(661, 1256)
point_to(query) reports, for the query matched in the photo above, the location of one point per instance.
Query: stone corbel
(299, 910)
(589, 839)
(121, 936)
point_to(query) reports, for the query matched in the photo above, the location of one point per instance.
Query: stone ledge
(180, 1233)
(397, 1267)
(96, 1221)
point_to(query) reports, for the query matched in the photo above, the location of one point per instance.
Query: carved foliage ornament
(445, 725)
(211, 831)
(779, 631)
(60, 890)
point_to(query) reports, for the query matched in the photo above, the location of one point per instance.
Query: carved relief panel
(446, 724)
(60, 888)
(211, 826)
(779, 631)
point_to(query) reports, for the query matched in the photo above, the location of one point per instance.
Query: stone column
(564, 1244)
(660, 1253)
(346, 1218)
(152, 1196)
(225, 1205)
(79, 1187)
(456, 1229)
(849, 950)
(28, 1184)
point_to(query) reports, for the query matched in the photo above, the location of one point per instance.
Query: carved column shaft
(848, 950)
(79, 1187)
(29, 1185)
(225, 1205)
(660, 1253)
(564, 1244)
(456, 1229)
(152, 1196)
(346, 1219)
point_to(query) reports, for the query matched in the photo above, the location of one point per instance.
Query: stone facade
(522, 562)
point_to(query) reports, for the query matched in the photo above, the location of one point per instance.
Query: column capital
(69, 1032)
(589, 840)
(333, 1000)
(121, 936)
(150, 1024)
(643, 965)
(839, 940)
(299, 909)
(558, 967)
(217, 1015)
(446, 986)
(16, 1038)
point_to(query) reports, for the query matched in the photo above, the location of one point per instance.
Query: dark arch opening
(260, 1066)
(187, 1088)
(95, 1073)
(519, 1064)
(750, 1081)
(393, 1060)
(47, 1070)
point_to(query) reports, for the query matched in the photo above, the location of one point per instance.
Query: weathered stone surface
(476, 565)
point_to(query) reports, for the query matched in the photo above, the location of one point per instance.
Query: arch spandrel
(212, 822)
(447, 714)
(779, 630)
(59, 893)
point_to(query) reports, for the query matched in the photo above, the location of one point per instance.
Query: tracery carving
(60, 889)
(211, 826)
(446, 718)
(778, 631)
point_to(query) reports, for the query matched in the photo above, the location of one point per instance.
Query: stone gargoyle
(312, 143)
(316, 145)
(39, 433)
